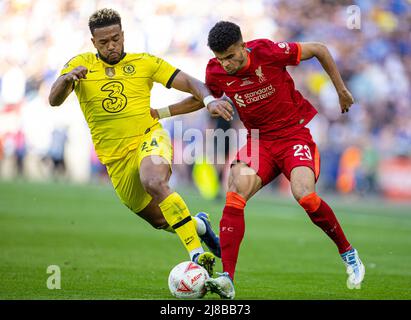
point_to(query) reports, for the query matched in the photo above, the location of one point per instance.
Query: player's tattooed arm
(321, 52)
(202, 94)
(187, 105)
(64, 85)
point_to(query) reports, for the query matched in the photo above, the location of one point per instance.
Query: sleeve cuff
(298, 53)
(170, 81)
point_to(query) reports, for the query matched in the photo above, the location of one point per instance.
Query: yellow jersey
(115, 99)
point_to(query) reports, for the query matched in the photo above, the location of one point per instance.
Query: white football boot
(222, 285)
(355, 269)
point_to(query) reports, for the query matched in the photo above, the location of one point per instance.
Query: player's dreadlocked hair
(223, 35)
(103, 18)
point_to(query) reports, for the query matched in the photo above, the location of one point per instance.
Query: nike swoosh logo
(91, 71)
(230, 83)
(188, 240)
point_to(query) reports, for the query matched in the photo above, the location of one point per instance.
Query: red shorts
(270, 158)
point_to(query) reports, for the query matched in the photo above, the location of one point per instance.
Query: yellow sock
(200, 229)
(176, 213)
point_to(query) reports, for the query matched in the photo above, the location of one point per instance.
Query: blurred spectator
(1, 148)
(222, 147)
(56, 152)
(19, 151)
(98, 172)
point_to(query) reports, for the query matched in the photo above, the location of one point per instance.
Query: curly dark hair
(103, 18)
(223, 35)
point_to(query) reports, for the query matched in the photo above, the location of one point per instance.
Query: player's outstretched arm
(64, 85)
(201, 93)
(321, 52)
(187, 105)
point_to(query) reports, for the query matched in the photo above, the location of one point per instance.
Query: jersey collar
(247, 65)
(100, 58)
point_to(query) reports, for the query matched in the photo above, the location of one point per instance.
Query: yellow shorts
(124, 173)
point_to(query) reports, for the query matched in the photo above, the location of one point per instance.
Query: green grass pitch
(104, 251)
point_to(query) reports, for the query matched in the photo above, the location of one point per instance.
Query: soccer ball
(187, 280)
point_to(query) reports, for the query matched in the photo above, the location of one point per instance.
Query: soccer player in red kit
(254, 76)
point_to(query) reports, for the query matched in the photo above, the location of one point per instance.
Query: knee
(301, 189)
(236, 183)
(300, 194)
(243, 181)
(302, 182)
(155, 186)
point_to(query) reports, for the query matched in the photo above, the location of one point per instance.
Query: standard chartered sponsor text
(260, 94)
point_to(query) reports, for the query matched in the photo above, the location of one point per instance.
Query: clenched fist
(76, 74)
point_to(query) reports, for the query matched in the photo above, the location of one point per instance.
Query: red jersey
(263, 91)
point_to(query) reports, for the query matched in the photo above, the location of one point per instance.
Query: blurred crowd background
(365, 152)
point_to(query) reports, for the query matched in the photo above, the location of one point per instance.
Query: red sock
(232, 228)
(323, 216)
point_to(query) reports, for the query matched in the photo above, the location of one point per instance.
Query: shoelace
(351, 262)
(350, 258)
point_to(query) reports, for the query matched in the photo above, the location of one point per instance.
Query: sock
(177, 215)
(232, 228)
(198, 223)
(323, 216)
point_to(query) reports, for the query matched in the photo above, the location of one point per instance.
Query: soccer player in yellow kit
(113, 89)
